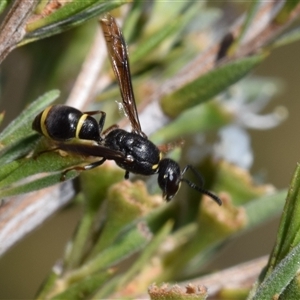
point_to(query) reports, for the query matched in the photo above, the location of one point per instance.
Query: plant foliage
(128, 239)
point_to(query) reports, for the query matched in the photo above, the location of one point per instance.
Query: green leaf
(154, 40)
(133, 238)
(209, 116)
(144, 258)
(85, 288)
(263, 208)
(68, 16)
(287, 38)
(136, 19)
(20, 128)
(279, 279)
(17, 140)
(193, 241)
(18, 149)
(16, 174)
(47, 286)
(289, 229)
(120, 282)
(95, 185)
(130, 239)
(126, 202)
(172, 28)
(284, 262)
(293, 290)
(239, 183)
(35, 185)
(209, 85)
(236, 220)
(3, 4)
(284, 14)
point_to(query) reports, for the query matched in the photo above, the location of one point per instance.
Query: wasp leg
(109, 129)
(98, 112)
(82, 168)
(36, 155)
(126, 176)
(94, 112)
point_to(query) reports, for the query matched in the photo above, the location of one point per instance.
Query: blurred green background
(276, 151)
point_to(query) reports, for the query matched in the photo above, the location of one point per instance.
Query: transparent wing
(117, 50)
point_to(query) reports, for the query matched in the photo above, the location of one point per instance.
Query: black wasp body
(75, 131)
(78, 132)
(63, 123)
(142, 156)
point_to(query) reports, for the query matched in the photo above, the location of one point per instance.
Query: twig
(84, 87)
(12, 29)
(241, 276)
(21, 214)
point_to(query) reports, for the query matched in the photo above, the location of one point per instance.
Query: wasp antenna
(196, 173)
(197, 187)
(202, 191)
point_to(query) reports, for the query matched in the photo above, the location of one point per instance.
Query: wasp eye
(169, 178)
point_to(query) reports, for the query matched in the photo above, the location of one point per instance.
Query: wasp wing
(92, 149)
(117, 50)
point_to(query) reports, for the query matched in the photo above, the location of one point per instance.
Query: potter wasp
(77, 132)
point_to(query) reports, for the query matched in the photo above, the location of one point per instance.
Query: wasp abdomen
(61, 123)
